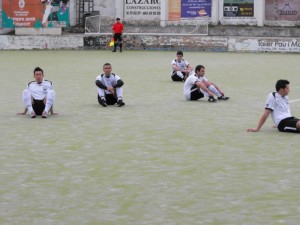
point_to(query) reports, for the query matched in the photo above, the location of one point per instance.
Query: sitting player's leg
(298, 125)
(38, 106)
(196, 93)
(119, 93)
(101, 97)
(27, 100)
(177, 76)
(110, 99)
(211, 86)
(49, 101)
(290, 124)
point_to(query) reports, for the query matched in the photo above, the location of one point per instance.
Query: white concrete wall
(107, 7)
(11, 42)
(200, 43)
(72, 13)
(37, 31)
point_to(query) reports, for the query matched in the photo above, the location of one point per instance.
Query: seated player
(109, 87)
(197, 86)
(181, 69)
(277, 104)
(39, 96)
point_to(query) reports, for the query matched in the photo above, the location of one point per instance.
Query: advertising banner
(35, 13)
(174, 10)
(282, 10)
(268, 44)
(142, 9)
(238, 8)
(195, 8)
(185, 9)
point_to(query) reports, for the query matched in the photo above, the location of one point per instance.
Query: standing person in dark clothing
(117, 29)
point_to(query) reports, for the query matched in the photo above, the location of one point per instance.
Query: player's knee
(298, 124)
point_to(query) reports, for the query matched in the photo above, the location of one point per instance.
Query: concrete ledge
(12, 42)
(155, 42)
(38, 31)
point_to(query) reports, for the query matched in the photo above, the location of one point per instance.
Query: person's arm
(204, 88)
(101, 85)
(261, 122)
(190, 68)
(175, 67)
(23, 113)
(52, 111)
(118, 84)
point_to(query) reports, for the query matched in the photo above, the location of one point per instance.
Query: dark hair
(198, 68)
(37, 69)
(106, 64)
(281, 84)
(118, 18)
(179, 53)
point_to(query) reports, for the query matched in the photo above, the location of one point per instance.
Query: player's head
(118, 19)
(179, 56)
(38, 74)
(282, 86)
(179, 53)
(200, 70)
(107, 68)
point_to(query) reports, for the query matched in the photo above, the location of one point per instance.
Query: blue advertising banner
(195, 8)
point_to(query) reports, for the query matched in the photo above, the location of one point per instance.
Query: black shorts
(110, 99)
(175, 77)
(196, 93)
(288, 125)
(118, 37)
(38, 106)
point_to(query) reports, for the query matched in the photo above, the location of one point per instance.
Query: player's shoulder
(193, 77)
(271, 96)
(115, 75)
(99, 76)
(48, 81)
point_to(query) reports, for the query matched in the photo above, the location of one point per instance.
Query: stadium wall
(155, 42)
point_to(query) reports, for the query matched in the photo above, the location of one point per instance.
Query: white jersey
(189, 86)
(182, 64)
(202, 79)
(39, 90)
(110, 80)
(279, 106)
